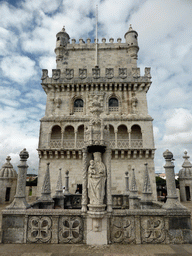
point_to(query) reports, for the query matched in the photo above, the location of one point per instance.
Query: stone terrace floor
(85, 250)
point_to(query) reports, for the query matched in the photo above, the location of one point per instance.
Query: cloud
(18, 68)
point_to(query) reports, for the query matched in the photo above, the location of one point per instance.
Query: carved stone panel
(122, 73)
(153, 230)
(96, 72)
(136, 72)
(122, 230)
(44, 74)
(70, 230)
(109, 72)
(56, 73)
(82, 73)
(69, 73)
(39, 229)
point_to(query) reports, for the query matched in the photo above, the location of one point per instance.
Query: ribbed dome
(7, 170)
(186, 172)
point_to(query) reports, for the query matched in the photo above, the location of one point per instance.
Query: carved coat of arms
(109, 72)
(56, 73)
(69, 73)
(122, 73)
(82, 73)
(44, 74)
(96, 72)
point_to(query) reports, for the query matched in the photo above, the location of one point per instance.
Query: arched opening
(55, 141)
(111, 136)
(69, 137)
(113, 105)
(78, 105)
(136, 137)
(122, 137)
(80, 136)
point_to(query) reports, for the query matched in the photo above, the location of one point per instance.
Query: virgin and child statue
(96, 180)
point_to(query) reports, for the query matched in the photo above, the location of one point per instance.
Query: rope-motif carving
(84, 185)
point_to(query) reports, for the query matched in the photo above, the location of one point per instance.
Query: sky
(27, 41)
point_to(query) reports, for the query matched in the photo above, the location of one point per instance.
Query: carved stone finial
(59, 188)
(168, 155)
(8, 159)
(146, 185)
(130, 27)
(63, 29)
(126, 173)
(24, 155)
(46, 188)
(133, 182)
(186, 163)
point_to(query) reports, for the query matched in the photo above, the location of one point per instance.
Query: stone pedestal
(96, 231)
(172, 198)
(19, 201)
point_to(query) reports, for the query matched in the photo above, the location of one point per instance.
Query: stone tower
(105, 84)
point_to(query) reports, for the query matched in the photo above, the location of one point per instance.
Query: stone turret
(131, 40)
(62, 38)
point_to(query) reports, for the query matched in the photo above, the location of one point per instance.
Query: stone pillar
(67, 183)
(75, 139)
(126, 193)
(172, 198)
(109, 196)
(129, 134)
(19, 201)
(115, 138)
(84, 185)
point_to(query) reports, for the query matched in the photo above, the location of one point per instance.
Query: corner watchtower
(131, 40)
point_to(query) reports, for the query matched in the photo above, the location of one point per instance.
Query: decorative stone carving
(109, 72)
(70, 230)
(58, 102)
(96, 73)
(95, 105)
(148, 72)
(56, 73)
(122, 73)
(134, 102)
(136, 72)
(44, 74)
(123, 230)
(84, 174)
(96, 180)
(82, 73)
(39, 229)
(153, 230)
(69, 73)
(19, 201)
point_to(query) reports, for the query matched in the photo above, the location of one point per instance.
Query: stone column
(129, 134)
(172, 198)
(84, 185)
(109, 196)
(75, 139)
(19, 201)
(126, 183)
(66, 183)
(115, 138)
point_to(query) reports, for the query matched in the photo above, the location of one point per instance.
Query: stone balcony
(78, 144)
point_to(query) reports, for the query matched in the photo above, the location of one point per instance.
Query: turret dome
(7, 170)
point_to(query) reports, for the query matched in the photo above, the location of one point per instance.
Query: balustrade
(55, 144)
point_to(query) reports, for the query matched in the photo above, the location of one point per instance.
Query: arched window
(113, 105)
(78, 105)
(80, 136)
(122, 137)
(136, 132)
(136, 137)
(111, 136)
(55, 141)
(56, 133)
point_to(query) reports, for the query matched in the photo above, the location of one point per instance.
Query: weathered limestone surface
(114, 81)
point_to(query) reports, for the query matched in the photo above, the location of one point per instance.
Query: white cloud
(18, 68)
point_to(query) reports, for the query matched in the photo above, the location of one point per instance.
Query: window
(78, 105)
(113, 105)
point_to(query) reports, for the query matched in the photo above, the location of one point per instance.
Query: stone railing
(69, 143)
(136, 143)
(80, 144)
(55, 144)
(122, 143)
(80, 109)
(113, 109)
